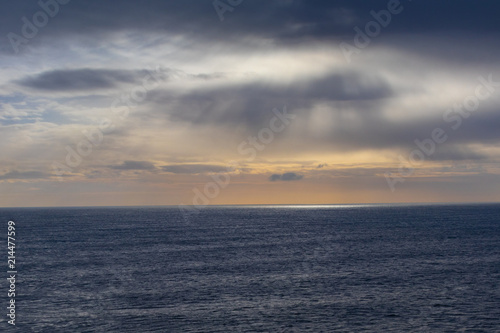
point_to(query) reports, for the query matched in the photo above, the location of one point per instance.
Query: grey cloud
(355, 102)
(289, 176)
(252, 103)
(135, 165)
(360, 94)
(24, 175)
(78, 79)
(194, 168)
(345, 86)
(463, 168)
(210, 76)
(375, 131)
(457, 153)
(85, 79)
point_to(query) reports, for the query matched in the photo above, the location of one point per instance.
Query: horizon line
(450, 203)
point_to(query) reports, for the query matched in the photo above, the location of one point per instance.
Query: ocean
(346, 268)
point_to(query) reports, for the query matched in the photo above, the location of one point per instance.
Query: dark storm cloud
(24, 175)
(194, 168)
(284, 21)
(357, 93)
(355, 103)
(252, 103)
(135, 165)
(289, 176)
(79, 79)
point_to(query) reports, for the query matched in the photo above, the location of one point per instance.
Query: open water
(371, 268)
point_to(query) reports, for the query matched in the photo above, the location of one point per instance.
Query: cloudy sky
(248, 102)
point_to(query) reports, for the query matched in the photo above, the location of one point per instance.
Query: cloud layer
(79, 94)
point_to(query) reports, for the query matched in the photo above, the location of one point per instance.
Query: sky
(248, 102)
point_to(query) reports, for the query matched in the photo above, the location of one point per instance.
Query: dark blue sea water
(257, 269)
